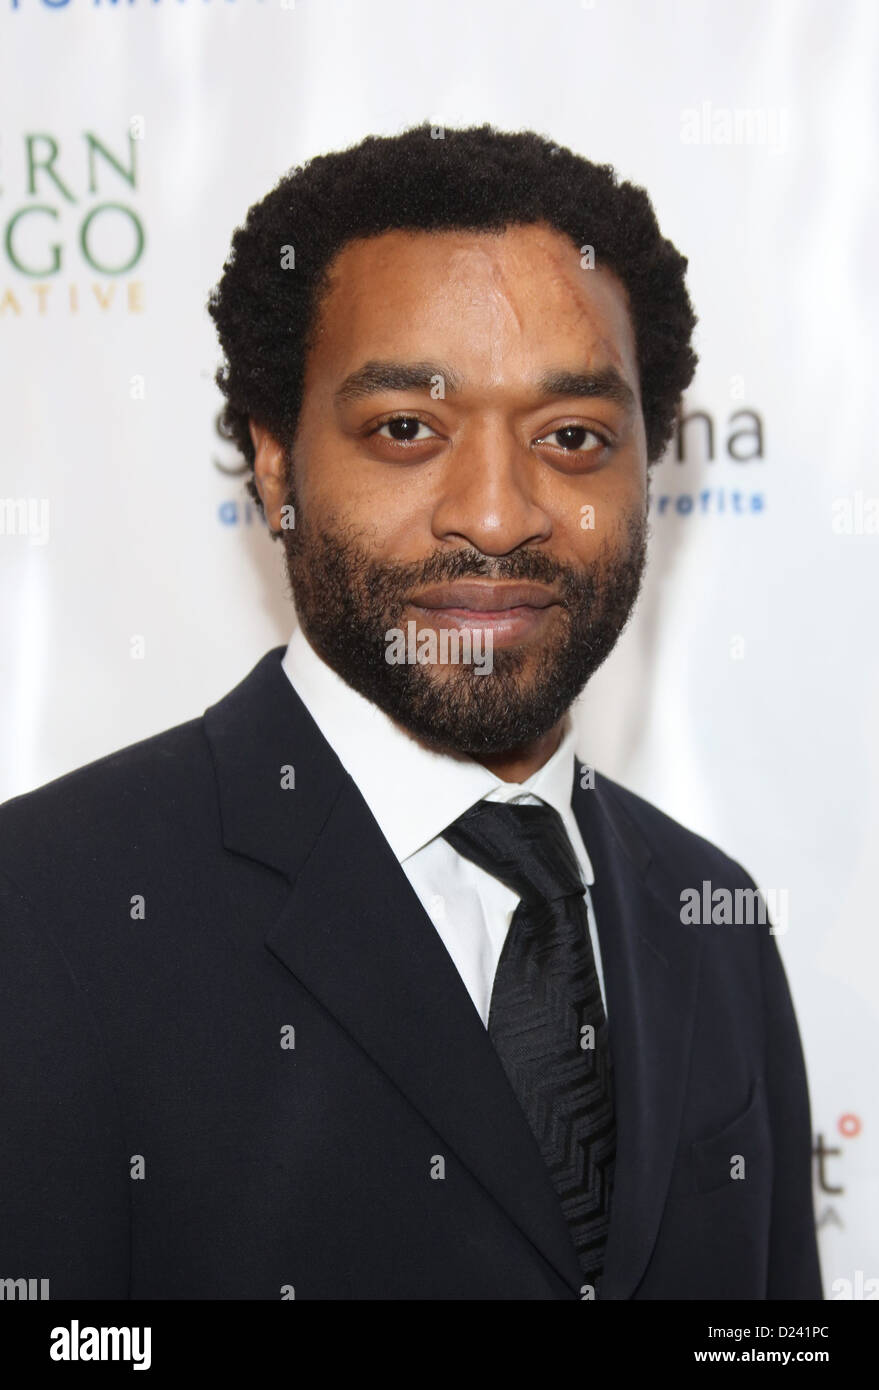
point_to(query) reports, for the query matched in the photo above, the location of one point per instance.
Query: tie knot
(526, 847)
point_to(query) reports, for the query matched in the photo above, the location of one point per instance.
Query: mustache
(393, 579)
(384, 585)
(473, 564)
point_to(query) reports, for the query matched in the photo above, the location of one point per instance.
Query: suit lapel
(354, 933)
(650, 962)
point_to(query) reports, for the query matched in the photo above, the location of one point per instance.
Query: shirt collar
(412, 791)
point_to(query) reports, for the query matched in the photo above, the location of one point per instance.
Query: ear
(268, 473)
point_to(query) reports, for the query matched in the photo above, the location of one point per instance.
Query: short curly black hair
(431, 178)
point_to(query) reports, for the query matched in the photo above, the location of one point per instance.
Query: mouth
(510, 612)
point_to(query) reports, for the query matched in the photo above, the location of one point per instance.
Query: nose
(487, 494)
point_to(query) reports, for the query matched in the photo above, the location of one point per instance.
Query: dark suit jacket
(158, 1141)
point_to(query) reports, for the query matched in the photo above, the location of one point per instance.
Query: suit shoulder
(103, 804)
(671, 843)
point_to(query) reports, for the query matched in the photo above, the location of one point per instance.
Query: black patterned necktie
(546, 1018)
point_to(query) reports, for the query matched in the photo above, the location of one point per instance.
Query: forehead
(494, 303)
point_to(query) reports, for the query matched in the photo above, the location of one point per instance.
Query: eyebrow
(605, 384)
(373, 377)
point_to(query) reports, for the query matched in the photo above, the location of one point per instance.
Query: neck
(521, 763)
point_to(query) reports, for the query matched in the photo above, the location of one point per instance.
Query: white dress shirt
(414, 793)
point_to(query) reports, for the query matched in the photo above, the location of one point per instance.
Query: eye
(571, 438)
(403, 429)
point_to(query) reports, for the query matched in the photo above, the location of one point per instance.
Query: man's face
(452, 470)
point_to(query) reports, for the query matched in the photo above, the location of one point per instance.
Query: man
(361, 986)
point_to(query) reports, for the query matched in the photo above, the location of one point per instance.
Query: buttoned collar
(413, 792)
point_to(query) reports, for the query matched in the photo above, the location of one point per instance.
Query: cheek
(596, 512)
(388, 511)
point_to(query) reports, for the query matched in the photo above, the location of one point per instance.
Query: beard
(346, 602)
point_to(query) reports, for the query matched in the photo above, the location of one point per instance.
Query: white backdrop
(133, 138)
